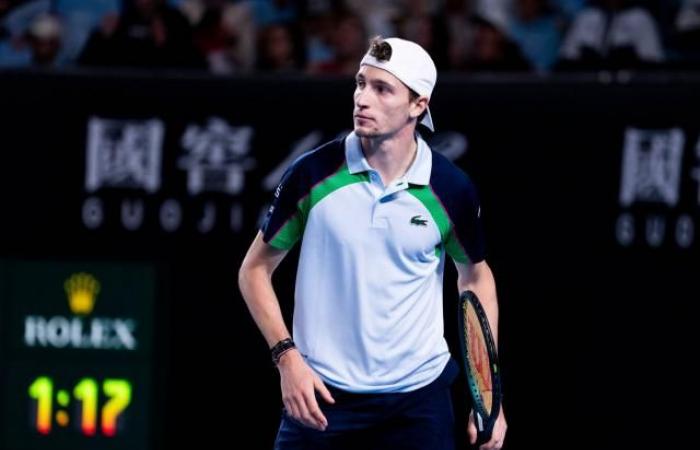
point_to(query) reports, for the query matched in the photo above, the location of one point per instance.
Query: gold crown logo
(82, 289)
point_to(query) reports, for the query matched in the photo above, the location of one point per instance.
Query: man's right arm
(255, 283)
(298, 380)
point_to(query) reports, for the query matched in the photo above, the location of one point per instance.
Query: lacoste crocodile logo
(418, 220)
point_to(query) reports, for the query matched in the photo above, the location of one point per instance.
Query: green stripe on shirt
(427, 197)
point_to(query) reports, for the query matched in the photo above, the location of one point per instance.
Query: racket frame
(483, 421)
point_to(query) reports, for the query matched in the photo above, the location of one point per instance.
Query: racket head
(479, 360)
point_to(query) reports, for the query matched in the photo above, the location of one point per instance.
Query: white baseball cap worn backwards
(411, 64)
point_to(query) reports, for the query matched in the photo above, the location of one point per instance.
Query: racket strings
(478, 356)
(480, 362)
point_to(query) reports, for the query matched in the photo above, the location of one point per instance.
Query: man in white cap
(378, 211)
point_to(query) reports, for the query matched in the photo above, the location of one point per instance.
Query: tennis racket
(479, 360)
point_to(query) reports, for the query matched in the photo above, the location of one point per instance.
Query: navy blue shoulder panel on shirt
(302, 175)
(458, 196)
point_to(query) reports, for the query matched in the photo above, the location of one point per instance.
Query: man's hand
(497, 437)
(299, 384)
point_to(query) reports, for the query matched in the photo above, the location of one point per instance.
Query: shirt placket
(382, 196)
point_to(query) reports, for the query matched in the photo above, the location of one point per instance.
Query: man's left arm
(478, 278)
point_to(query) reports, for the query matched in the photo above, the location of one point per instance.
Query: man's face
(382, 103)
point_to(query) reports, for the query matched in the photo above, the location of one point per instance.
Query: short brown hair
(380, 49)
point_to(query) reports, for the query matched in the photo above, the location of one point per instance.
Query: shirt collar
(418, 173)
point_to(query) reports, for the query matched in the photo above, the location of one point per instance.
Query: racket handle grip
(482, 435)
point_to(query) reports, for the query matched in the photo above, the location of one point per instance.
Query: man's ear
(418, 106)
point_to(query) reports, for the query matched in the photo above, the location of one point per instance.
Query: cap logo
(381, 50)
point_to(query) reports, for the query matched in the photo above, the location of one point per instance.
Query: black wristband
(281, 348)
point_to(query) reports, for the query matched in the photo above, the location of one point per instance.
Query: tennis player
(377, 212)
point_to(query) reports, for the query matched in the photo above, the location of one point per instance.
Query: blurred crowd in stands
(330, 36)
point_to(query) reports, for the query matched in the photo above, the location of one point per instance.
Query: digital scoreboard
(75, 361)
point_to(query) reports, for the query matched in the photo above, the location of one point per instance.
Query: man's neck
(391, 156)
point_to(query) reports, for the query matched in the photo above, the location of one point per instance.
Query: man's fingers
(303, 415)
(299, 396)
(315, 414)
(493, 444)
(297, 409)
(325, 393)
(498, 435)
(292, 408)
(471, 429)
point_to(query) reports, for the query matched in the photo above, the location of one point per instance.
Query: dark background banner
(590, 195)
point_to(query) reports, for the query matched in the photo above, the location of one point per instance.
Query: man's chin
(365, 133)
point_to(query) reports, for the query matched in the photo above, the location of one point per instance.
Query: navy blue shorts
(421, 419)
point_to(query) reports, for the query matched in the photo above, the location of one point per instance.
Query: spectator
(349, 43)
(493, 49)
(536, 29)
(5, 6)
(18, 16)
(612, 35)
(225, 36)
(460, 30)
(149, 33)
(31, 35)
(80, 18)
(44, 38)
(427, 30)
(278, 50)
(318, 28)
(686, 36)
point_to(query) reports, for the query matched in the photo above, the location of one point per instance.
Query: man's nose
(361, 98)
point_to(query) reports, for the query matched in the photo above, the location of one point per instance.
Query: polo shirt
(368, 305)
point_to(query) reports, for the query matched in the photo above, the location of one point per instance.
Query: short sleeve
(284, 223)
(464, 240)
(466, 243)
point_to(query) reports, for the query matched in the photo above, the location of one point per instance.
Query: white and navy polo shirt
(368, 301)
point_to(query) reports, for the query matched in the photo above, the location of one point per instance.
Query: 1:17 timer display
(84, 404)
